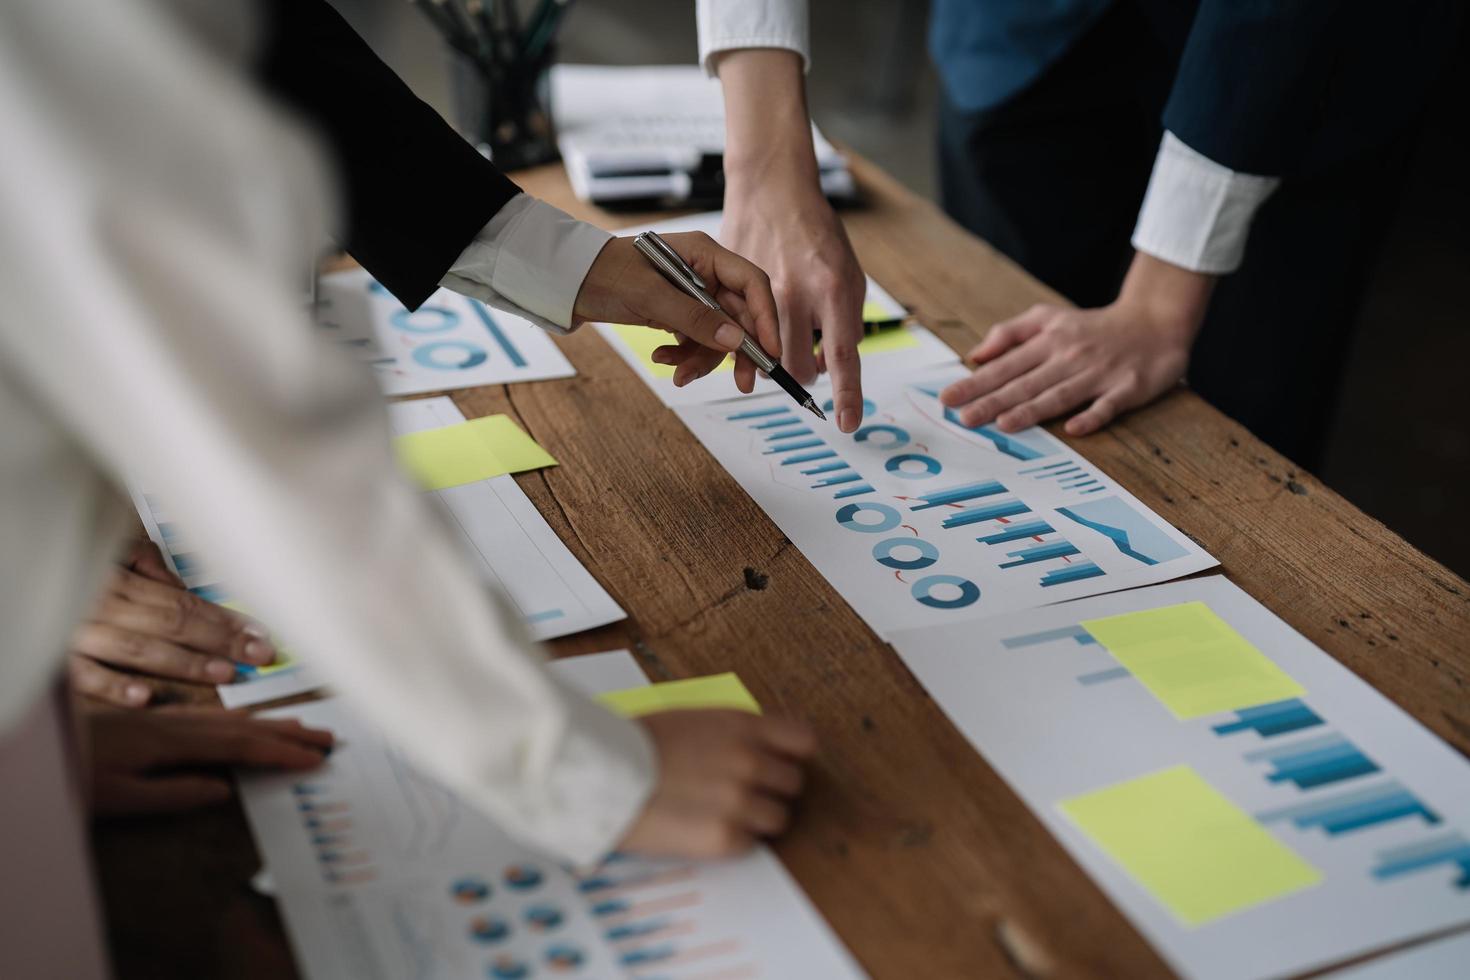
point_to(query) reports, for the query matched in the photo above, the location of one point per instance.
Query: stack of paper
(383, 873)
(654, 135)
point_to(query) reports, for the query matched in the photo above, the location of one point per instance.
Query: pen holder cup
(505, 110)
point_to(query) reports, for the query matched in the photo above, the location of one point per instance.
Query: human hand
(776, 216)
(623, 287)
(789, 229)
(147, 625)
(178, 758)
(1050, 360)
(725, 778)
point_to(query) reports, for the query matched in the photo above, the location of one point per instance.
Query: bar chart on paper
(451, 341)
(378, 867)
(1254, 807)
(918, 520)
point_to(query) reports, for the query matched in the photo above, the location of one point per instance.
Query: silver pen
(677, 271)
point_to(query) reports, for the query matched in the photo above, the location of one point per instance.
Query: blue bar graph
(833, 481)
(1276, 718)
(778, 422)
(1358, 810)
(1315, 762)
(989, 512)
(1015, 532)
(210, 593)
(798, 444)
(825, 468)
(1072, 573)
(955, 495)
(1452, 849)
(545, 615)
(1077, 633)
(852, 492)
(787, 434)
(808, 457)
(1048, 466)
(758, 413)
(1014, 445)
(1042, 552)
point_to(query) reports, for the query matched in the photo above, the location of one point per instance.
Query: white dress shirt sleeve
(148, 272)
(727, 25)
(529, 261)
(1196, 213)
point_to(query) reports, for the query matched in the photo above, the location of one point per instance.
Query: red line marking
(899, 575)
(915, 530)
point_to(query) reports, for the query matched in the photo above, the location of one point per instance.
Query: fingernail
(847, 419)
(136, 693)
(729, 336)
(220, 671)
(256, 630)
(259, 653)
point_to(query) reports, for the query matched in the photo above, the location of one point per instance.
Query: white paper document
(1254, 807)
(510, 543)
(505, 538)
(891, 352)
(449, 342)
(382, 873)
(917, 520)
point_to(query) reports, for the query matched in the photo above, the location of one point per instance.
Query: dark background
(1400, 449)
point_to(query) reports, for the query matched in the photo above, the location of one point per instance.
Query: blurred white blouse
(155, 216)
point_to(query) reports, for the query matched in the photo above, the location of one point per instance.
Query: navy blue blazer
(1276, 87)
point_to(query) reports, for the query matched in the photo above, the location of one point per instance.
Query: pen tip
(816, 411)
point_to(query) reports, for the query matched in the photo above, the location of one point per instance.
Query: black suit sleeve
(1293, 86)
(416, 192)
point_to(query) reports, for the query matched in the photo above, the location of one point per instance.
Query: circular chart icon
(563, 958)
(543, 918)
(522, 876)
(470, 890)
(450, 355)
(905, 553)
(945, 591)
(489, 929)
(912, 466)
(508, 968)
(887, 518)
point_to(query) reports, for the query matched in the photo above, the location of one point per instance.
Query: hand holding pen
(623, 286)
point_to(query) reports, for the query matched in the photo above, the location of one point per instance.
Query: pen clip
(675, 257)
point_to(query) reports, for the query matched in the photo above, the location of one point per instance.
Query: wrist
(768, 133)
(1171, 298)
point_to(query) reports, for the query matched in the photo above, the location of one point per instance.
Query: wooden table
(920, 857)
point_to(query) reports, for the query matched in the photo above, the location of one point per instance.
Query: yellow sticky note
(887, 339)
(877, 311)
(469, 451)
(1192, 660)
(715, 691)
(1197, 853)
(284, 657)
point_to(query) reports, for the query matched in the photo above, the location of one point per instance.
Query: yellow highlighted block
(715, 691)
(1198, 854)
(1192, 660)
(469, 451)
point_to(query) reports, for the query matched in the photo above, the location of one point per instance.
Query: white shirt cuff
(729, 25)
(1197, 214)
(529, 261)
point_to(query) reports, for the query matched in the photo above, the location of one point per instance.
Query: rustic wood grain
(920, 857)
